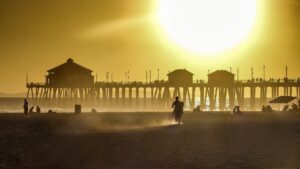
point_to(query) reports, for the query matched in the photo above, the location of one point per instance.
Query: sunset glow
(207, 27)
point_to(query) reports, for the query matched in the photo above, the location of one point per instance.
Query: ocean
(11, 104)
(15, 105)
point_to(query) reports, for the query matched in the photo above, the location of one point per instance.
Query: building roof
(71, 65)
(221, 72)
(180, 71)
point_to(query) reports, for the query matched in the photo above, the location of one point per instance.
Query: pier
(220, 92)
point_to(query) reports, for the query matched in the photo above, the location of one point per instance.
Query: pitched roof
(221, 72)
(70, 64)
(180, 71)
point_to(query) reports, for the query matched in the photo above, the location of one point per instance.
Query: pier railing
(256, 82)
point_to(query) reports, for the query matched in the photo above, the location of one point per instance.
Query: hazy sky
(119, 35)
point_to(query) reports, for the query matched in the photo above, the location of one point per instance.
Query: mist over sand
(149, 140)
(115, 122)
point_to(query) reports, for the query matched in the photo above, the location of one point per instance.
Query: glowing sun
(207, 26)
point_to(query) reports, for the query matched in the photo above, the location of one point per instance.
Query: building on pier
(221, 85)
(70, 75)
(66, 84)
(221, 77)
(180, 77)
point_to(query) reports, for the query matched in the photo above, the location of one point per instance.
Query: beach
(142, 140)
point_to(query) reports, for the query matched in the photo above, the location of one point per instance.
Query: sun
(207, 26)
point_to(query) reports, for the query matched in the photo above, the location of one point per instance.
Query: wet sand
(149, 140)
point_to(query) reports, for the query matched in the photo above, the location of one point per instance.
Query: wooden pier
(220, 92)
(159, 95)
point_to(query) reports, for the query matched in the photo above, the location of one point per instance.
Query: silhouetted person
(237, 110)
(178, 110)
(285, 108)
(31, 109)
(51, 111)
(197, 109)
(38, 109)
(269, 109)
(25, 107)
(295, 108)
(263, 109)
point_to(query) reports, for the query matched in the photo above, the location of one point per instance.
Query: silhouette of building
(70, 75)
(221, 78)
(180, 77)
(221, 84)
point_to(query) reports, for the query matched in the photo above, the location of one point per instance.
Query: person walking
(178, 110)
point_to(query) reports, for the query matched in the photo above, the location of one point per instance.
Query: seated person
(38, 109)
(237, 110)
(31, 109)
(197, 109)
(263, 109)
(93, 111)
(51, 111)
(295, 108)
(269, 109)
(285, 108)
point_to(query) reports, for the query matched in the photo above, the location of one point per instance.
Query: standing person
(25, 107)
(178, 110)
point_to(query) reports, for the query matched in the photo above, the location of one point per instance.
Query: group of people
(28, 111)
(287, 108)
(293, 108)
(178, 110)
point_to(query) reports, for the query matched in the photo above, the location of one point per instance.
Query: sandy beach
(149, 140)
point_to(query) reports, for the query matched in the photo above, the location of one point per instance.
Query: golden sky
(120, 35)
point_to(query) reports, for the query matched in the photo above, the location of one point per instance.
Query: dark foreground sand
(149, 140)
